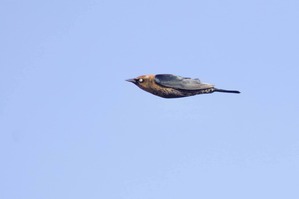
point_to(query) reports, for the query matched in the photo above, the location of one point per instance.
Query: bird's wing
(182, 83)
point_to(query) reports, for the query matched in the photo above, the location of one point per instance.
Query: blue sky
(71, 127)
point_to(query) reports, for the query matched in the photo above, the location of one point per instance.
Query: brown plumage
(172, 86)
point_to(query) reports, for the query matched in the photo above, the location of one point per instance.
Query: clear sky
(72, 127)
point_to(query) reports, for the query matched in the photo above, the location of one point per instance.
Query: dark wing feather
(182, 83)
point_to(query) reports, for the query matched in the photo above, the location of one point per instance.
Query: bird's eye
(140, 80)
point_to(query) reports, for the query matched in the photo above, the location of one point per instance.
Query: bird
(173, 86)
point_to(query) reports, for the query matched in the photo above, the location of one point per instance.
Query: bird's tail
(225, 91)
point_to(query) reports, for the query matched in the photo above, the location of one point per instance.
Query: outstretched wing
(182, 83)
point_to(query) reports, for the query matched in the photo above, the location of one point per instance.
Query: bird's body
(172, 86)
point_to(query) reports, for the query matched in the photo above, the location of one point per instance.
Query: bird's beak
(132, 80)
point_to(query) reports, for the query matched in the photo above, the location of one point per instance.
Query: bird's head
(144, 81)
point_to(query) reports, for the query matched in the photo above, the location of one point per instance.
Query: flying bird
(172, 86)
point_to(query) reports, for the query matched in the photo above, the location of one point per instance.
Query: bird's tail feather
(226, 91)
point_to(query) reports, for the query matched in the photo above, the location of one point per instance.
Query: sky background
(72, 127)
